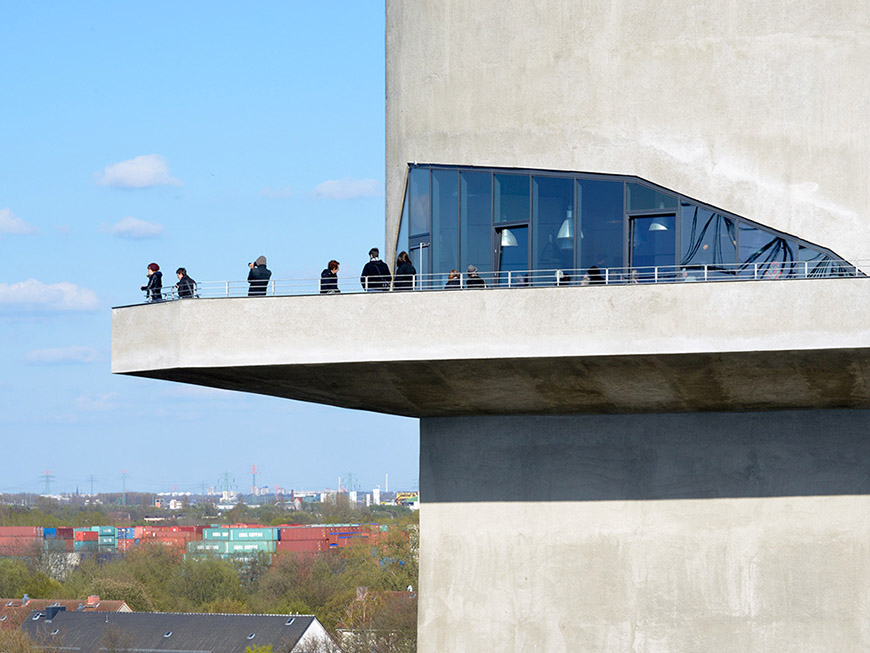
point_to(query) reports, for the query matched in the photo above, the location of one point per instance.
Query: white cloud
(63, 355)
(35, 296)
(95, 402)
(141, 172)
(280, 193)
(12, 224)
(348, 189)
(133, 228)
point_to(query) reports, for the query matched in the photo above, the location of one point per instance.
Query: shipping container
(49, 533)
(104, 530)
(203, 546)
(108, 540)
(64, 532)
(249, 534)
(86, 536)
(21, 531)
(86, 545)
(59, 545)
(304, 533)
(126, 534)
(216, 534)
(248, 547)
(301, 546)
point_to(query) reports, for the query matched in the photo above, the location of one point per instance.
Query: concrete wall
(759, 108)
(697, 532)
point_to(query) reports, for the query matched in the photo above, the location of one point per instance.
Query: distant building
(163, 631)
(13, 612)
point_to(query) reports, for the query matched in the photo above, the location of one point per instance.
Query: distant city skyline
(202, 141)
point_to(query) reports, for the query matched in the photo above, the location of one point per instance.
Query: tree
(118, 589)
(204, 581)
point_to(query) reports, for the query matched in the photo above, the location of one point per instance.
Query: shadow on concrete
(645, 457)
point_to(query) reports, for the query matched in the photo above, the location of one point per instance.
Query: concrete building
(626, 466)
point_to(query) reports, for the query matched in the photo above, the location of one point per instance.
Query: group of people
(186, 287)
(376, 276)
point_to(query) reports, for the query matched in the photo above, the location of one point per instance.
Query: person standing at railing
(186, 286)
(258, 277)
(154, 288)
(454, 282)
(329, 279)
(474, 280)
(405, 273)
(376, 274)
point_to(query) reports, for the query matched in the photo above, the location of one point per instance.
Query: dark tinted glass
(420, 205)
(813, 263)
(764, 255)
(475, 210)
(553, 221)
(653, 244)
(511, 198)
(644, 198)
(600, 230)
(445, 222)
(513, 256)
(708, 239)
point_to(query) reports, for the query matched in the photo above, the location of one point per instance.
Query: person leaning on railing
(474, 280)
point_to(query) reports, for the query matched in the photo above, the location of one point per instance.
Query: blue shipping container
(49, 533)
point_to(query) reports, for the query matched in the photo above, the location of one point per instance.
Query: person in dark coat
(453, 281)
(376, 273)
(474, 280)
(186, 286)
(154, 288)
(405, 273)
(595, 276)
(329, 279)
(258, 277)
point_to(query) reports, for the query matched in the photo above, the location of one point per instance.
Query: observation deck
(615, 348)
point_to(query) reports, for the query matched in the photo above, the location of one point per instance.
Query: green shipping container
(207, 547)
(267, 546)
(216, 534)
(108, 540)
(86, 546)
(253, 534)
(104, 530)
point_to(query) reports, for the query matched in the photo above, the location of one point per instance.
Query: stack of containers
(20, 540)
(175, 537)
(108, 538)
(127, 539)
(86, 540)
(58, 540)
(237, 542)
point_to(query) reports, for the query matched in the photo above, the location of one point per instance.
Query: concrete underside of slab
(703, 532)
(600, 384)
(622, 349)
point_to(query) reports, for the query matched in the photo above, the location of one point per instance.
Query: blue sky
(196, 134)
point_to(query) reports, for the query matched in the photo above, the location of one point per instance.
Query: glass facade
(533, 227)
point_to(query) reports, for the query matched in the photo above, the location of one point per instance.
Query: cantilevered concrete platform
(756, 345)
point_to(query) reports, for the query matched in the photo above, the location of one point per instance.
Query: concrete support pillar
(669, 532)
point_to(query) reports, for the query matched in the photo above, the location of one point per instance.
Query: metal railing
(758, 271)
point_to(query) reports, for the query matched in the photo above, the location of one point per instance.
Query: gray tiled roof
(147, 631)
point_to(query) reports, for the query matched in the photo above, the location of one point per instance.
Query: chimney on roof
(25, 600)
(93, 599)
(52, 610)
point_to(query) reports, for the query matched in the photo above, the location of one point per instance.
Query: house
(89, 632)
(13, 612)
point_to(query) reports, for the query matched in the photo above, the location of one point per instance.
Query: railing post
(705, 272)
(510, 278)
(366, 287)
(273, 288)
(413, 282)
(806, 269)
(606, 276)
(755, 265)
(656, 274)
(227, 288)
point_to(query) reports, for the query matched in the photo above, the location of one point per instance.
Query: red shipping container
(301, 546)
(21, 531)
(64, 532)
(86, 536)
(305, 533)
